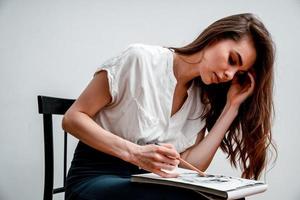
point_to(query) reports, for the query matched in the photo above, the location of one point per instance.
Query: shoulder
(140, 51)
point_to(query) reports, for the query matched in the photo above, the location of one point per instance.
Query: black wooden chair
(49, 106)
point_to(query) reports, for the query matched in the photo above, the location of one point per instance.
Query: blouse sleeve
(121, 73)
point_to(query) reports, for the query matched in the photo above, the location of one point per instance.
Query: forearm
(202, 154)
(88, 131)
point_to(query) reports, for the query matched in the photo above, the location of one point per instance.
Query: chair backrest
(49, 106)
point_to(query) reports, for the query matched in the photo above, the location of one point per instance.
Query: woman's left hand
(238, 93)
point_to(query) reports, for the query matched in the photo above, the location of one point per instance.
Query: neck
(186, 67)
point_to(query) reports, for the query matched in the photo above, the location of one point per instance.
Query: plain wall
(53, 47)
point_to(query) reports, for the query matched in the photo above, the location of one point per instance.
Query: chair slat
(58, 190)
(53, 105)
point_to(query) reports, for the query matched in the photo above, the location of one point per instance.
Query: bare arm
(202, 153)
(79, 122)
(78, 119)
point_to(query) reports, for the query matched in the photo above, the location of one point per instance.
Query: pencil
(190, 166)
(201, 173)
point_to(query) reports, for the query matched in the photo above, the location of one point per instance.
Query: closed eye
(231, 61)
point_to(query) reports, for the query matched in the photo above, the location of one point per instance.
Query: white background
(53, 47)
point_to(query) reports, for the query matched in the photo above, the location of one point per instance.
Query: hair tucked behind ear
(249, 136)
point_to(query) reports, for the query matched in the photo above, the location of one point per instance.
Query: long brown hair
(249, 136)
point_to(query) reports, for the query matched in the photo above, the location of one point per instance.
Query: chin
(206, 81)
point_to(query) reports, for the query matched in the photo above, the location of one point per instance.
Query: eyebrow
(240, 58)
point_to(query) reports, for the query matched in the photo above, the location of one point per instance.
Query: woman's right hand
(156, 158)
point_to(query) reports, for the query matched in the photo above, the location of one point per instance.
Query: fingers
(250, 88)
(159, 165)
(166, 155)
(248, 85)
(167, 150)
(168, 145)
(252, 78)
(252, 72)
(150, 166)
(165, 166)
(165, 174)
(165, 159)
(157, 158)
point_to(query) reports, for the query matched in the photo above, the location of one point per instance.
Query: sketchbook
(211, 186)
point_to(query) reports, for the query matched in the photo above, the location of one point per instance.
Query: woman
(220, 83)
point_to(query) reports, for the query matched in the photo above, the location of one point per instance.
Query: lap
(117, 187)
(94, 175)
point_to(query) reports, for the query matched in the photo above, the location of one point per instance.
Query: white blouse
(142, 84)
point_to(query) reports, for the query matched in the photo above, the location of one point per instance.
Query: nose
(229, 74)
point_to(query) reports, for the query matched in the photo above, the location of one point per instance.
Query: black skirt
(94, 175)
